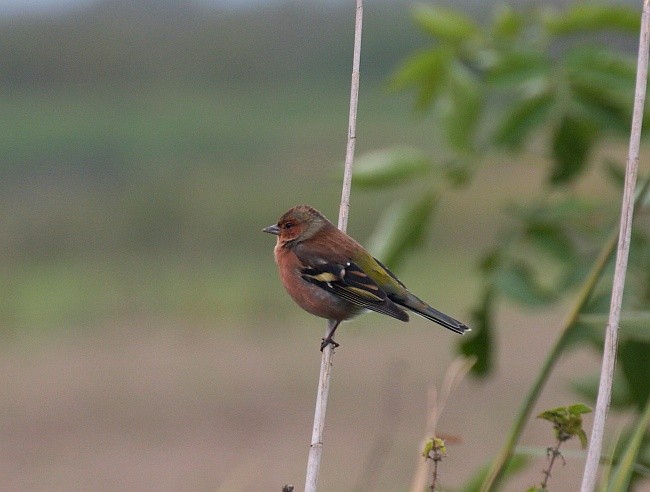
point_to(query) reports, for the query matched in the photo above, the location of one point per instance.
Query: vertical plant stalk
(344, 208)
(622, 253)
(316, 447)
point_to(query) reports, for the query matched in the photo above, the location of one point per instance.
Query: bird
(330, 275)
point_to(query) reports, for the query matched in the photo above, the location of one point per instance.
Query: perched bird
(330, 275)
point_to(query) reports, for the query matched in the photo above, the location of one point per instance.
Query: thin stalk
(344, 208)
(316, 447)
(554, 453)
(622, 254)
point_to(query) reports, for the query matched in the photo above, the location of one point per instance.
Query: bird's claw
(328, 341)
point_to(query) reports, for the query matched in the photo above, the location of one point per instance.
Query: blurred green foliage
(532, 81)
(560, 95)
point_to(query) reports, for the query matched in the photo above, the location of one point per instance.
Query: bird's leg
(329, 339)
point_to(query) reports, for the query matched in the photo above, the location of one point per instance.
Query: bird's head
(298, 224)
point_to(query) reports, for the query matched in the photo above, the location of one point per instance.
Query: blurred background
(147, 343)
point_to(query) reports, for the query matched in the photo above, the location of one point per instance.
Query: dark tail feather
(426, 311)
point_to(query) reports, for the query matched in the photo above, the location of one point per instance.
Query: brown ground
(167, 406)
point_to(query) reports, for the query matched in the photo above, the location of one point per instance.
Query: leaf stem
(554, 453)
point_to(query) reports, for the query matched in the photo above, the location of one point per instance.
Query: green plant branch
(497, 467)
(554, 454)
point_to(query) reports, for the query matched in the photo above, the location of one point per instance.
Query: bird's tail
(423, 309)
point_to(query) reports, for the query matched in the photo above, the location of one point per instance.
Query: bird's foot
(328, 341)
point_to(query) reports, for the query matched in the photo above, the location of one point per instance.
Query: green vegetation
(560, 93)
(567, 424)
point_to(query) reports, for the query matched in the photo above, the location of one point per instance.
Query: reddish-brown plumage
(330, 275)
(323, 242)
(307, 295)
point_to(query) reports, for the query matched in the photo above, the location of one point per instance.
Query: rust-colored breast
(307, 295)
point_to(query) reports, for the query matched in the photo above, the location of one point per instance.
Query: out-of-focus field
(147, 343)
(171, 405)
(207, 380)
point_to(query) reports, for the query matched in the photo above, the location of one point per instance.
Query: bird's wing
(391, 274)
(351, 283)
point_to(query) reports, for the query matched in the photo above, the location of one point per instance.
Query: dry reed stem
(622, 253)
(316, 447)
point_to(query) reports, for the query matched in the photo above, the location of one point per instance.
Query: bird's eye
(288, 225)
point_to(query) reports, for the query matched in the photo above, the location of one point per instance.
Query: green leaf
(582, 435)
(514, 465)
(419, 67)
(622, 475)
(569, 209)
(579, 408)
(491, 261)
(461, 108)
(585, 17)
(402, 228)
(445, 24)
(517, 67)
(634, 360)
(552, 415)
(427, 71)
(459, 170)
(523, 118)
(602, 108)
(479, 342)
(572, 142)
(428, 447)
(550, 238)
(602, 83)
(602, 68)
(390, 167)
(567, 422)
(517, 280)
(507, 22)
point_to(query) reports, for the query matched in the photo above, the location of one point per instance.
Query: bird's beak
(272, 229)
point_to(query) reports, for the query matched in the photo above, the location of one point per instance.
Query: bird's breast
(307, 295)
